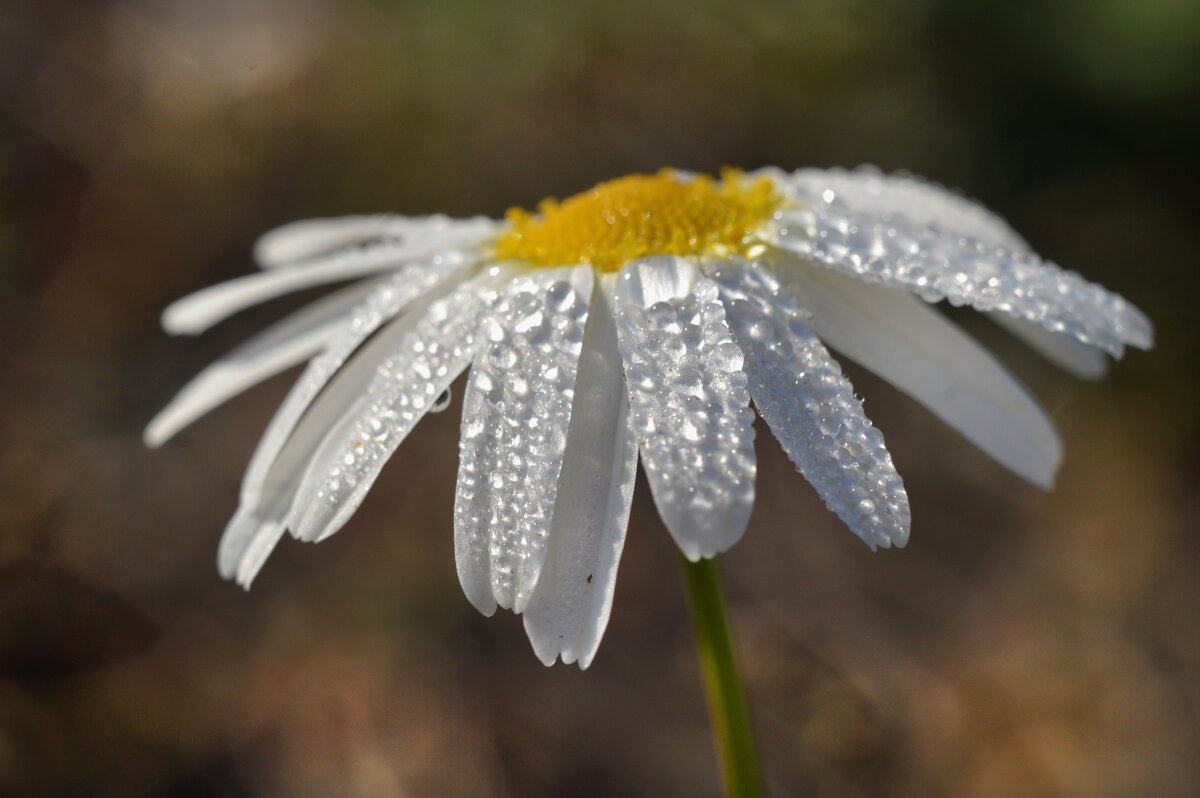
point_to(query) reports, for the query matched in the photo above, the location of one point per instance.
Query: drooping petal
(688, 400)
(288, 444)
(891, 248)
(279, 347)
(1085, 362)
(431, 355)
(810, 406)
(570, 607)
(516, 411)
(915, 348)
(310, 238)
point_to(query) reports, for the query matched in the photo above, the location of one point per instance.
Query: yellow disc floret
(640, 215)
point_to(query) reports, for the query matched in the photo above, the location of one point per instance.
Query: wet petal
(810, 406)
(288, 443)
(869, 190)
(279, 347)
(415, 285)
(915, 348)
(688, 401)
(570, 607)
(516, 412)
(852, 233)
(440, 345)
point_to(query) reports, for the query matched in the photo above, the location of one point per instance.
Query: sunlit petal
(688, 401)
(516, 411)
(405, 386)
(916, 349)
(810, 406)
(570, 607)
(892, 248)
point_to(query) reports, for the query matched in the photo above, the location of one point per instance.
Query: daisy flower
(637, 320)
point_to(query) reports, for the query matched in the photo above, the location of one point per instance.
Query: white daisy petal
(869, 190)
(570, 608)
(260, 543)
(688, 400)
(267, 499)
(1085, 362)
(310, 238)
(516, 411)
(893, 249)
(915, 348)
(242, 368)
(810, 406)
(390, 298)
(438, 348)
(279, 347)
(197, 312)
(264, 518)
(287, 445)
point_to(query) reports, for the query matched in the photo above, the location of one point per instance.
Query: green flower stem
(728, 707)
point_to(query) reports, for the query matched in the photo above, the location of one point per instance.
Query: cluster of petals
(578, 373)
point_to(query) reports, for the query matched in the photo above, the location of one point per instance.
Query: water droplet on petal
(441, 403)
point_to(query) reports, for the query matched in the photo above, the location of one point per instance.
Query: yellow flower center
(641, 215)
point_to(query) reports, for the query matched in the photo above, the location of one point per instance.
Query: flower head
(635, 320)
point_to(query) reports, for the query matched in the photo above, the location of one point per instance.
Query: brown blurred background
(1024, 644)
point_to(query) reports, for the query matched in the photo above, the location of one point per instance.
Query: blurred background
(1024, 643)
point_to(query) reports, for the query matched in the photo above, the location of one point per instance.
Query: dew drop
(503, 357)
(560, 296)
(705, 291)
(727, 357)
(441, 403)
(762, 331)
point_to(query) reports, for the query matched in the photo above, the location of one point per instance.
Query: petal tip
(317, 519)
(1046, 481)
(234, 541)
(1139, 330)
(247, 543)
(155, 434)
(178, 319)
(522, 599)
(486, 605)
